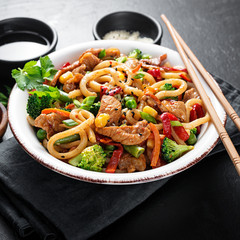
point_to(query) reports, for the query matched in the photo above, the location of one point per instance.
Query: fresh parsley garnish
(33, 75)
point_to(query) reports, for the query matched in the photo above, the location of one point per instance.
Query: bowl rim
(52, 45)
(157, 24)
(44, 158)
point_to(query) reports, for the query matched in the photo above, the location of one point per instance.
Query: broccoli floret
(35, 104)
(95, 108)
(167, 86)
(92, 158)
(171, 150)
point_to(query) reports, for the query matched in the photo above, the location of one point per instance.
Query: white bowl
(26, 137)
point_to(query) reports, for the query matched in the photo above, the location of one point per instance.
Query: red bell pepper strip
(166, 124)
(112, 165)
(195, 113)
(174, 69)
(199, 110)
(115, 91)
(103, 91)
(56, 110)
(181, 132)
(156, 73)
(185, 78)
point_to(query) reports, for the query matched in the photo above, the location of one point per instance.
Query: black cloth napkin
(42, 204)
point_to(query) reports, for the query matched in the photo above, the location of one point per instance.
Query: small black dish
(131, 22)
(31, 34)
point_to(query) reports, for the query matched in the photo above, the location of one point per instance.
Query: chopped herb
(139, 75)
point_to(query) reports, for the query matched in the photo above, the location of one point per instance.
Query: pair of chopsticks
(184, 50)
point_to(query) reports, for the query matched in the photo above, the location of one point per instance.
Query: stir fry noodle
(116, 112)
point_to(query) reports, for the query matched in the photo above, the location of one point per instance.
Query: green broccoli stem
(67, 139)
(135, 150)
(75, 160)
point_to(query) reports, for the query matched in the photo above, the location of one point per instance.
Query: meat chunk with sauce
(90, 60)
(111, 53)
(132, 63)
(132, 164)
(177, 108)
(111, 106)
(153, 62)
(127, 135)
(189, 94)
(50, 123)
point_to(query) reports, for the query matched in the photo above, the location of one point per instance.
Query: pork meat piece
(127, 135)
(189, 94)
(132, 164)
(111, 106)
(90, 60)
(177, 108)
(50, 123)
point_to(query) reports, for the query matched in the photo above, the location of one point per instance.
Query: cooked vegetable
(61, 112)
(102, 120)
(150, 111)
(135, 150)
(91, 158)
(35, 105)
(156, 73)
(41, 134)
(157, 145)
(139, 76)
(168, 87)
(66, 76)
(171, 150)
(146, 56)
(33, 75)
(121, 59)
(131, 103)
(102, 54)
(112, 165)
(70, 122)
(166, 117)
(67, 139)
(108, 149)
(136, 53)
(192, 138)
(148, 117)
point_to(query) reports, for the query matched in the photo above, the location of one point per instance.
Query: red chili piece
(174, 69)
(66, 65)
(115, 91)
(156, 73)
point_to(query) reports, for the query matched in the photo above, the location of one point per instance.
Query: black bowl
(131, 22)
(19, 30)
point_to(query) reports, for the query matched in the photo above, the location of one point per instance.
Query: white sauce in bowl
(125, 35)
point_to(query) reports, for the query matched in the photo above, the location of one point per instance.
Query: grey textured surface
(210, 28)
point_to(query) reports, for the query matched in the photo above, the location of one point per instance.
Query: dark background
(204, 201)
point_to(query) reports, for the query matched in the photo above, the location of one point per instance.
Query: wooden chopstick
(232, 152)
(208, 78)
